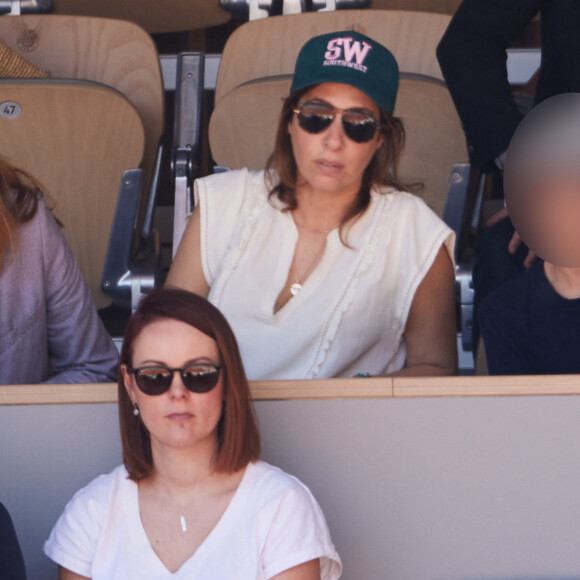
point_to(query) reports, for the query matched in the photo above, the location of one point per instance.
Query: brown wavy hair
(19, 195)
(237, 431)
(282, 174)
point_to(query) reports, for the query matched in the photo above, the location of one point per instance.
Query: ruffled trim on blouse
(344, 301)
(252, 206)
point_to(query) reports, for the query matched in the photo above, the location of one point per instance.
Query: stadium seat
(77, 138)
(113, 52)
(121, 56)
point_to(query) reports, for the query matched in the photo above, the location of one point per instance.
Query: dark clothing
(528, 328)
(11, 562)
(494, 265)
(472, 55)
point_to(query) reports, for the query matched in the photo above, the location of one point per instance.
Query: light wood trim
(375, 387)
(486, 386)
(58, 394)
(372, 387)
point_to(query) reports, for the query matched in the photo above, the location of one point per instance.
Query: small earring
(135, 410)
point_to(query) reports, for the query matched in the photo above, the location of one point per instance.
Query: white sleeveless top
(351, 313)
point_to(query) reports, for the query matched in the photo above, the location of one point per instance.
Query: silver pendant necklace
(296, 287)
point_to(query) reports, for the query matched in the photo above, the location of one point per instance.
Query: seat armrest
(455, 203)
(16, 7)
(186, 144)
(465, 293)
(339, 4)
(454, 215)
(251, 9)
(127, 278)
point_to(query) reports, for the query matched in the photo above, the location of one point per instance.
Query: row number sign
(10, 110)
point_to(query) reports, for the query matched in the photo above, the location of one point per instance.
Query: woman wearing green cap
(320, 263)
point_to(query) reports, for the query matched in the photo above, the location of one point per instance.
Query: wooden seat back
(77, 138)
(113, 52)
(152, 15)
(256, 72)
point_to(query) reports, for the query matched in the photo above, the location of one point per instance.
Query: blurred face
(546, 213)
(329, 161)
(177, 418)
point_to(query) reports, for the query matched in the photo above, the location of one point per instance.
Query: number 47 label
(10, 110)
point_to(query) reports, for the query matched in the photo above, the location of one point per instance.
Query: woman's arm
(431, 333)
(186, 270)
(64, 574)
(80, 349)
(306, 571)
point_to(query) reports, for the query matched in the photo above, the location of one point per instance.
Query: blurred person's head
(542, 180)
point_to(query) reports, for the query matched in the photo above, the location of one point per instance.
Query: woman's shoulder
(231, 193)
(403, 201)
(245, 178)
(270, 482)
(290, 516)
(73, 540)
(408, 218)
(43, 223)
(99, 491)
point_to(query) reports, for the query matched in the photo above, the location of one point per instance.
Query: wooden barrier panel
(415, 484)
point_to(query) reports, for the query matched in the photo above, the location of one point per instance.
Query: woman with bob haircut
(192, 500)
(49, 327)
(322, 266)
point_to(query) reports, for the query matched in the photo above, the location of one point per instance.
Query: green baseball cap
(351, 58)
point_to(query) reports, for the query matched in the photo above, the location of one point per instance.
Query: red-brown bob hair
(238, 435)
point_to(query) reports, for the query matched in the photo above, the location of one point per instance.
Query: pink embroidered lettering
(333, 50)
(355, 50)
(348, 49)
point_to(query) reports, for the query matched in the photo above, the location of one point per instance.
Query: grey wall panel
(478, 488)
(439, 488)
(47, 453)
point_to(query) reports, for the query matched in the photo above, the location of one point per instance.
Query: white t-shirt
(352, 311)
(273, 523)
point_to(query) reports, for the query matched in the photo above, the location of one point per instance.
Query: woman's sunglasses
(358, 124)
(197, 378)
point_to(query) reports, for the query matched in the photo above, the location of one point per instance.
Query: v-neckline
(231, 507)
(290, 225)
